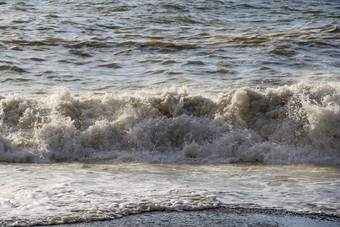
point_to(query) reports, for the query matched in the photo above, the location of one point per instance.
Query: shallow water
(66, 193)
(109, 108)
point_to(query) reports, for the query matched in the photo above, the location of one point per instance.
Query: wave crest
(285, 125)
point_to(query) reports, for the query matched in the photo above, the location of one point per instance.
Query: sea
(166, 113)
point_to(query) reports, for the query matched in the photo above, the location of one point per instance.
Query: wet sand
(219, 217)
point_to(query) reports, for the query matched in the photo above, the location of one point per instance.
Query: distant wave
(285, 125)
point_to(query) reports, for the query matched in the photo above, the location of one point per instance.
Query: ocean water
(110, 108)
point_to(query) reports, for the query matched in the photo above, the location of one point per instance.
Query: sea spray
(285, 125)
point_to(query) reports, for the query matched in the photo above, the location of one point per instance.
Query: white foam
(284, 125)
(63, 193)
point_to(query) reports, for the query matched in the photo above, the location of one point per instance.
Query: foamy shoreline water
(76, 192)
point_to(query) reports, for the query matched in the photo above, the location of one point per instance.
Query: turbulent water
(290, 124)
(209, 46)
(216, 83)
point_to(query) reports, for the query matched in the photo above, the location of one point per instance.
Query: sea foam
(285, 125)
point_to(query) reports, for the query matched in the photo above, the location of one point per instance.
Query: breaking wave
(285, 125)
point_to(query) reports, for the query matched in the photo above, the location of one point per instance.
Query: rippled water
(149, 88)
(210, 46)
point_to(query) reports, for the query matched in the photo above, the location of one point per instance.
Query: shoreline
(221, 216)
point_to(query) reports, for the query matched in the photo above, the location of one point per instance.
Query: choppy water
(211, 46)
(176, 82)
